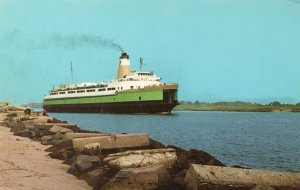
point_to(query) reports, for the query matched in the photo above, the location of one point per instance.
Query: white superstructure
(126, 80)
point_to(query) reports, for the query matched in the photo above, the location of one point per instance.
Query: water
(256, 140)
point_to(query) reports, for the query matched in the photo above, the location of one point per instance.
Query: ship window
(62, 93)
(121, 88)
(80, 91)
(101, 89)
(93, 90)
(131, 87)
(113, 88)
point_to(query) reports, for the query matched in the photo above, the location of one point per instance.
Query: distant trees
(237, 103)
(275, 103)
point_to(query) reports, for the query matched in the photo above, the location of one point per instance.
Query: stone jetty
(134, 161)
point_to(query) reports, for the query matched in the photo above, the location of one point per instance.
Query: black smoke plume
(76, 41)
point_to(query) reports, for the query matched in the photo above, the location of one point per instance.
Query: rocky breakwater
(135, 161)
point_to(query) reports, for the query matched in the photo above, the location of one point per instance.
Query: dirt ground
(25, 165)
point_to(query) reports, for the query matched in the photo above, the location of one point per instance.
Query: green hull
(119, 97)
(142, 101)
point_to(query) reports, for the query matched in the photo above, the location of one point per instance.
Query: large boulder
(92, 149)
(62, 155)
(63, 146)
(204, 158)
(85, 163)
(113, 141)
(152, 177)
(48, 126)
(141, 158)
(58, 129)
(31, 122)
(14, 124)
(94, 176)
(215, 177)
(23, 133)
(70, 136)
(46, 140)
(58, 136)
(155, 144)
(61, 150)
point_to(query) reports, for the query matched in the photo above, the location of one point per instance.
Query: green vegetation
(238, 106)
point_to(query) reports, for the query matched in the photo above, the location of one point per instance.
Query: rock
(58, 129)
(55, 141)
(86, 163)
(12, 114)
(70, 136)
(62, 155)
(12, 123)
(31, 127)
(93, 177)
(92, 149)
(74, 171)
(24, 133)
(212, 177)
(71, 160)
(155, 144)
(179, 178)
(139, 178)
(101, 182)
(31, 122)
(46, 140)
(41, 133)
(182, 162)
(141, 158)
(58, 136)
(204, 158)
(33, 134)
(62, 146)
(54, 120)
(113, 142)
(15, 125)
(48, 126)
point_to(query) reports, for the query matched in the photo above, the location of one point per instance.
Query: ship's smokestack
(124, 66)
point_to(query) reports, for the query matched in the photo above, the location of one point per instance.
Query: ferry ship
(130, 92)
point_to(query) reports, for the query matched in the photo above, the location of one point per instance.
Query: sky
(216, 50)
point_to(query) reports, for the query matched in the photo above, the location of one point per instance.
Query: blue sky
(215, 50)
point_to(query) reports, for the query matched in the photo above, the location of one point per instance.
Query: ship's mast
(72, 73)
(141, 64)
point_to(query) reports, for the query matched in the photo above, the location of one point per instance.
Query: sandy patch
(25, 165)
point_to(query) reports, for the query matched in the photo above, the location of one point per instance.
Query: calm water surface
(257, 140)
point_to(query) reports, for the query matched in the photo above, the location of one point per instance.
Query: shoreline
(230, 109)
(101, 167)
(25, 165)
